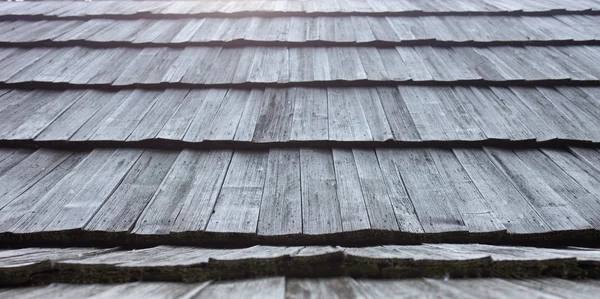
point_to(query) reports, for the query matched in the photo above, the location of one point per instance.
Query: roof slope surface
(295, 123)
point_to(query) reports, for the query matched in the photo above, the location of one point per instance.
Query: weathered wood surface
(335, 287)
(290, 196)
(303, 114)
(213, 65)
(229, 8)
(168, 263)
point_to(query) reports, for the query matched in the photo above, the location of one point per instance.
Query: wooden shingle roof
(208, 140)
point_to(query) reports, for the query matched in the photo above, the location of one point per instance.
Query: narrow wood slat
(126, 203)
(407, 218)
(512, 209)
(320, 205)
(347, 121)
(310, 120)
(555, 210)
(377, 201)
(238, 205)
(352, 204)
(433, 203)
(281, 204)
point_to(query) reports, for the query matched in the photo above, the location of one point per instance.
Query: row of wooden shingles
(217, 65)
(403, 114)
(68, 9)
(355, 29)
(301, 191)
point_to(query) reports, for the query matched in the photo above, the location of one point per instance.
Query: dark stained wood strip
(195, 264)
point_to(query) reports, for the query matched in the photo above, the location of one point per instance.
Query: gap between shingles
(322, 84)
(261, 43)
(275, 14)
(243, 145)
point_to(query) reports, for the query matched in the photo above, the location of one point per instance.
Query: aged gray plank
(479, 113)
(582, 172)
(475, 211)
(557, 122)
(555, 210)
(373, 64)
(399, 118)
(189, 184)
(432, 202)
(320, 205)
(19, 60)
(153, 121)
(201, 64)
(348, 189)
(23, 204)
(402, 204)
(205, 114)
(200, 204)
(270, 65)
(345, 64)
(269, 288)
(512, 209)
(17, 113)
(25, 174)
(10, 158)
(578, 116)
(347, 121)
(275, 121)
(375, 193)
(518, 113)
(52, 202)
(90, 125)
(76, 211)
(228, 116)
(75, 116)
(583, 201)
(335, 288)
(426, 111)
(394, 66)
(119, 124)
(250, 116)
(97, 73)
(244, 65)
(281, 205)
(40, 119)
(181, 64)
(404, 288)
(224, 68)
(374, 114)
(176, 127)
(414, 65)
(465, 125)
(126, 203)
(321, 65)
(162, 62)
(238, 205)
(500, 114)
(310, 114)
(301, 64)
(589, 155)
